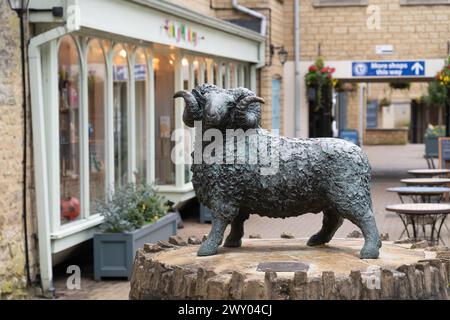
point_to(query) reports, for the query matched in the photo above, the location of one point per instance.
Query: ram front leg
(215, 237)
(219, 223)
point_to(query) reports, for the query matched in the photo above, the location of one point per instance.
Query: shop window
(216, 74)
(240, 81)
(233, 75)
(96, 110)
(209, 65)
(196, 66)
(141, 83)
(164, 72)
(120, 111)
(224, 75)
(246, 77)
(185, 73)
(69, 128)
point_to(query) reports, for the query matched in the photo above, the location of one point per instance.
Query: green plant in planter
(435, 131)
(131, 207)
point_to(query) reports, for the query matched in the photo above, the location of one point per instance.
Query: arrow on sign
(417, 67)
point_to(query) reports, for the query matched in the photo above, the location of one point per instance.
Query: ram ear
(245, 102)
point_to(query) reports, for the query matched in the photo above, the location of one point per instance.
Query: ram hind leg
(372, 242)
(362, 216)
(331, 222)
(234, 239)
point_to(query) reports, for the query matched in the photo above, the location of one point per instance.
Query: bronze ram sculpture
(313, 175)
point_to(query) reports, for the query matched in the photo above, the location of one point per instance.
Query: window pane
(141, 78)
(196, 73)
(233, 83)
(185, 73)
(69, 128)
(216, 74)
(223, 67)
(96, 99)
(163, 65)
(120, 107)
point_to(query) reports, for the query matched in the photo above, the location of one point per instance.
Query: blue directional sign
(388, 68)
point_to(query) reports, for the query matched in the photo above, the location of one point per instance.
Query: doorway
(276, 88)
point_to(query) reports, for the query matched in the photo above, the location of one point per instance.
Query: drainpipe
(297, 98)
(40, 156)
(263, 29)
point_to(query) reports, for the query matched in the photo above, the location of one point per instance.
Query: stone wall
(414, 31)
(386, 136)
(274, 12)
(200, 6)
(12, 257)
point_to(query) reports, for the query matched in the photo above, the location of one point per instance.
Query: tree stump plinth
(334, 271)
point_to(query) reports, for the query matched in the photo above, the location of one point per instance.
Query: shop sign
(120, 72)
(140, 72)
(180, 32)
(388, 68)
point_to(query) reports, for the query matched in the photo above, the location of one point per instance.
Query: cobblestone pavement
(389, 164)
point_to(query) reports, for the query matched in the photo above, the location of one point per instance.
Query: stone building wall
(12, 257)
(200, 6)
(414, 31)
(274, 12)
(343, 32)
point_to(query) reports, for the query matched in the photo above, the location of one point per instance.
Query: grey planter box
(114, 252)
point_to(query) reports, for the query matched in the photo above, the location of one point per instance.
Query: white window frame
(69, 234)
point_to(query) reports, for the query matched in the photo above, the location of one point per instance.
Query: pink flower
(312, 68)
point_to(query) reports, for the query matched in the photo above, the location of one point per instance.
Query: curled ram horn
(245, 102)
(192, 112)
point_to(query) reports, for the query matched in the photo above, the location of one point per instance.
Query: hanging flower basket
(318, 77)
(443, 76)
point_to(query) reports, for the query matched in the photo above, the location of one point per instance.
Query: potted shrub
(134, 215)
(432, 135)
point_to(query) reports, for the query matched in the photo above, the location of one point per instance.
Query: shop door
(371, 114)
(342, 110)
(276, 87)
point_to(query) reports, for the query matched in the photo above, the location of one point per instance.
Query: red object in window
(312, 68)
(70, 208)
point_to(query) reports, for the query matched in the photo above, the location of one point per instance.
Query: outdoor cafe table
(429, 172)
(420, 194)
(426, 181)
(420, 215)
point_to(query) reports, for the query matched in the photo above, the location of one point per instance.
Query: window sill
(174, 189)
(423, 2)
(344, 3)
(77, 226)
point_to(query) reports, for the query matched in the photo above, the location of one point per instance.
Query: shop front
(102, 79)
